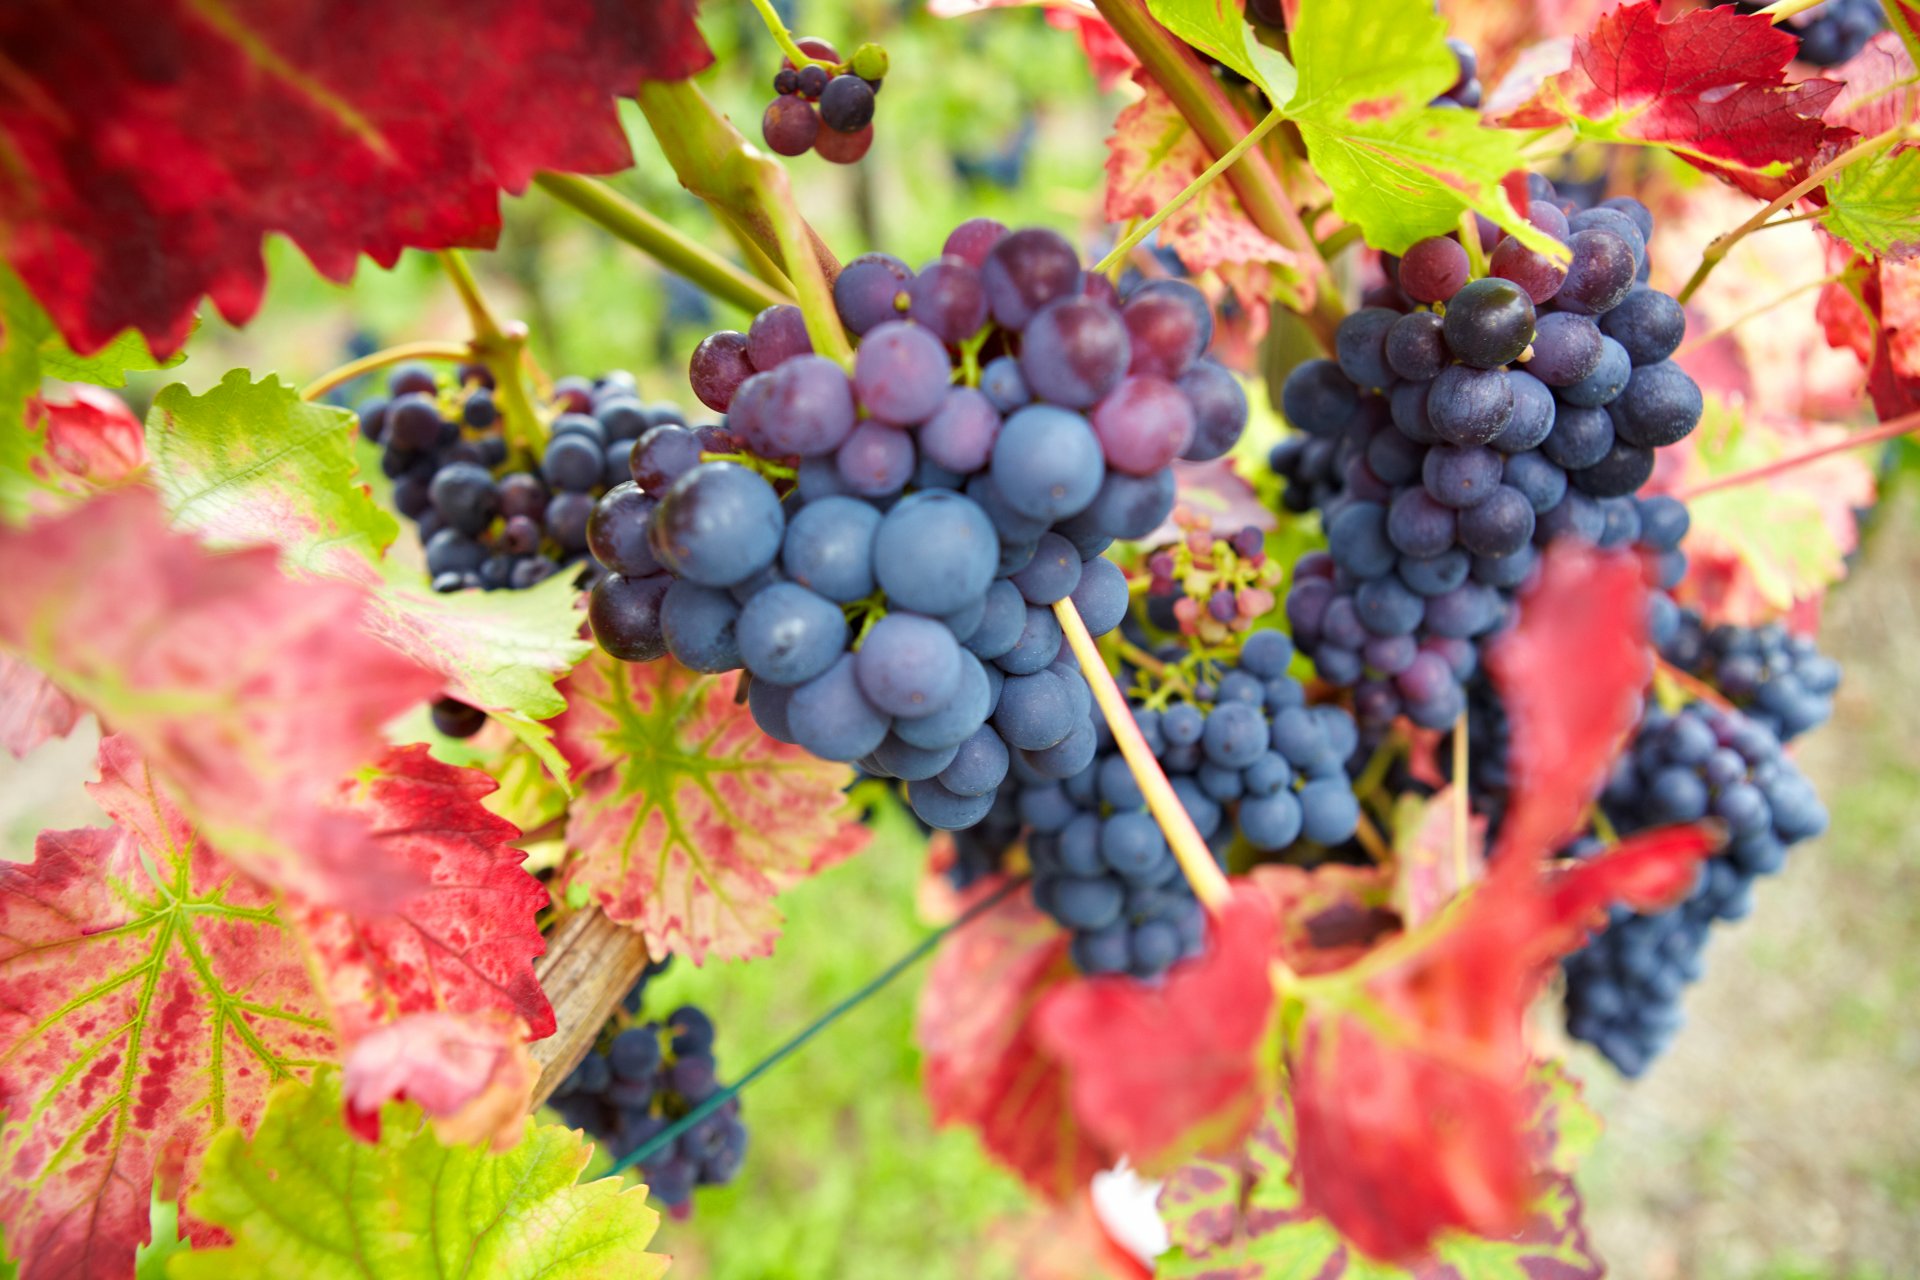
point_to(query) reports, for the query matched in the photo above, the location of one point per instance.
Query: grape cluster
(1208, 587)
(490, 521)
(1624, 987)
(1463, 427)
(1248, 760)
(641, 1078)
(1780, 679)
(884, 555)
(825, 109)
(1832, 33)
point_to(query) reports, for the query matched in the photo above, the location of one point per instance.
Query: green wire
(660, 1140)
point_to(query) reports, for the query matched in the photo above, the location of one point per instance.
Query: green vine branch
(502, 348)
(660, 239)
(384, 358)
(1140, 232)
(799, 57)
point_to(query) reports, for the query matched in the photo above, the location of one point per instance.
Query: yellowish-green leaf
(304, 1199)
(1220, 30)
(1875, 205)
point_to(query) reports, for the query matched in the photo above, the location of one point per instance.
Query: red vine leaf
(92, 436)
(250, 694)
(154, 996)
(463, 945)
(470, 1072)
(1429, 864)
(153, 146)
(986, 1066)
(1711, 86)
(32, 709)
(1407, 1076)
(1329, 915)
(1162, 1071)
(1571, 675)
(689, 821)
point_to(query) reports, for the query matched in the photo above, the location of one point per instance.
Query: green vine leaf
(250, 462)
(1219, 29)
(689, 820)
(154, 995)
(1875, 205)
(1399, 169)
(407, 1206)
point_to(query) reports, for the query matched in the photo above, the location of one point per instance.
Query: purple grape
(1489, 322)
(1219, 410)
(1415, 347)
(901, 373)
(718, 367)
(1468, 405)
(789, 125)
(808, 410)
(973, 240)
(949, 298)
(625, 616)
(1434, 269)
(1144, 425)
(1169, 326)
(875, 459)
(960, 434)
(1601, 274)
(663, 455)
(871, 290)
(1025, 271)
(1566, 348)
(617, 531)
(1074, 351)
(846, 104)
(908, 665)
(1047, 463)
(776, 335)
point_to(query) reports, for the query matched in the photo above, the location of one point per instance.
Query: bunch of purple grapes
(827, 110)
(490, 521)
(893, 600)
(1776, 677)
(1463, 427)
(1624, 987)
(640, 1079)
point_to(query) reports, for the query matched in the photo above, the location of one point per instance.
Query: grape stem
(1219, 124)
(501, 348)
(1196, 860)
(1695, 688)
(1470, 241)
(1188, 192)
(382, 359)
(1462, 864)
(653, 235)
(1371, 840)
(1723, 244)
(1781, 10)
(1891, 429)
(716, 163)
(784, 38)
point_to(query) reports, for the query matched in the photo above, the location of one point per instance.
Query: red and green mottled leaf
(688, 820)
(1710, 86)
(150, 147)
(409, 1206)
(32, 709)
(1758, 550)
(466, 943)
(1571, 675)
(470, 1072)
(154, 995)
(249, 462)
(1430, 862)
(92, 437)
(985, 1065)
(1151, 157)
(250, 694)
(1161, 1071)
(1398, 168)
(1241, 1218)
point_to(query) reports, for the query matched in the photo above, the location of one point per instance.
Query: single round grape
(1434, 269)
(1533, 410)
(973, 240)
(573, 463)
(1461, 476)
(719, 524)
(1025, 271)
(1604, 219)
(789, 125)
(1664, 521)
(1053, 572)
(1566, 349)
(960, 434)
(1101, 595)
(901, 373)
(1499, 526)
(1648, 324)
(1619, 474)
(842, 148)
(1539, 480)
(455, 719)
(1394, 459)
(1169, 326)
(1360, 344)
(566, 518)
(964, 710)
(945, 810)
(718, 367)
(829, 548)
(580, 424)
(1580, 438)
(777, 334)
(1037, 646)
(949, 298)
(1047, 463)
(846, 104)
(1219, 409)
(698, 623)
(1534, 272)
(1271, 821)
(1661, 405)
(617, 531)
(808, 409)
(466, 497)
(787, 634)
(910, 763)
(413, 422)
(978, 766)
(1607, 380)
(1600, 275)
(1035, 711)
(625, 616)
(831, 718)
(1002, 382)
(1430, 576)
(871, 290)
(875, 460)
(1388, 607)
(1003, 619)
(908, 665)
(412, 378)
(1143, 425)
(1408, 408)
(935, 553)
(1417, 524)
(1468, 405)
(1074, 351)
(1318, 398)
(663, 455)
(1576, 516)
(1489, 322)
(1415, 347)
(1357, 539)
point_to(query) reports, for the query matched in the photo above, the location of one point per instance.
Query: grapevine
(1314, 596)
